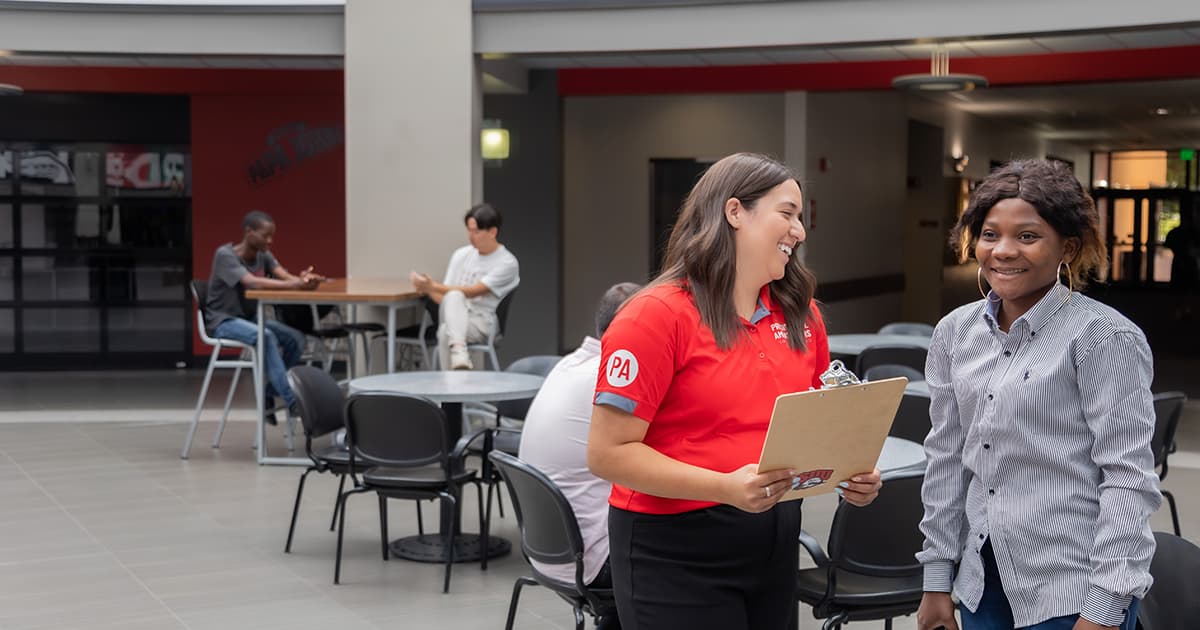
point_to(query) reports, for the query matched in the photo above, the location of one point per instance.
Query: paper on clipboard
(827, 435)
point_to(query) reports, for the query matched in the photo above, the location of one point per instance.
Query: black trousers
(718, 568)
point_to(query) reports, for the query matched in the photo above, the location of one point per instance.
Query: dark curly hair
(1052, 189)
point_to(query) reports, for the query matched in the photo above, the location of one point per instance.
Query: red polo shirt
(707, 407)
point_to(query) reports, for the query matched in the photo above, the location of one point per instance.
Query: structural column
(412, 120)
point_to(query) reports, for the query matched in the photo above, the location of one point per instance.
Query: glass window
(61, 330)
(7, 331)
(7, 280)
(7, 174)
(146, 330)
(58, 278)
(158, 224)
(66, 225)
(144, 172)
(59, 173)
(6, 225)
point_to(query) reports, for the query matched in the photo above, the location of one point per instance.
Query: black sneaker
(294, 409)
(269, 418)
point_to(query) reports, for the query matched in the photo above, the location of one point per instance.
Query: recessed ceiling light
(1162, 111)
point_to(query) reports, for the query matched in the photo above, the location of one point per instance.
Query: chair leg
(835, 621)
(512, 604)
(333, 521)
(237, 373)
(337, 565)
(450, 540)
(887, 624)
(187, 442)
(1174, 512)
(296, 509)
(420, 520)
(578, 618)
(383, 526)
(483, 529)
(500, 502)
(491, 352)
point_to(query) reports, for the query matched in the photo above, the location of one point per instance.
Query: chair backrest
(386, 429)
(892, 370)
(881, 538)
(1168, 407)
(888, 354)
(549, 531)
(502, 312)
(200, 294)
(1171, 603)
(912, 419)
(907, 328)
(322, 404)
(538, 364)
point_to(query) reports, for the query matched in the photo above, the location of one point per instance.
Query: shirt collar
(765, 306)
(1036, 317)
(590, 345)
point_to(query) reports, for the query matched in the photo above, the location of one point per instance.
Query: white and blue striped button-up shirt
(1041, 443)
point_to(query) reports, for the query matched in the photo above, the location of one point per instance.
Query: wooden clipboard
(826, 435)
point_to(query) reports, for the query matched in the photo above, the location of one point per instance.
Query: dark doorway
(671, 179)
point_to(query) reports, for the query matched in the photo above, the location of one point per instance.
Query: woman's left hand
(861, 489)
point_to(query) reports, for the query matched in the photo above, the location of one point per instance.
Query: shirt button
(987, 446)
(989, 396)
(991, 491)
(762, 355)
(1007, 353)
(753, 329)
(981, 537)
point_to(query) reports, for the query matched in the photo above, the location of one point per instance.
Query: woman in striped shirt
(1040, 481)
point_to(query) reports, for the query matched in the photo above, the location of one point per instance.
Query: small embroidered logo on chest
(781, 333)
(622, 368)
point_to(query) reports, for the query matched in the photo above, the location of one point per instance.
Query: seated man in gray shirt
(228, 315)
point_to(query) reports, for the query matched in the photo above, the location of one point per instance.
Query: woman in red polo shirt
(690, 370)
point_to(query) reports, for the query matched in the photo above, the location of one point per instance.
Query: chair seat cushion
(365, 327)
(431, 476)
(334, 455)
(856, 589)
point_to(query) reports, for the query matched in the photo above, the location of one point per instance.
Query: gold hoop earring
(979, 282)
(1070, 281)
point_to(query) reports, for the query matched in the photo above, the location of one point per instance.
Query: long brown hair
(702, 256)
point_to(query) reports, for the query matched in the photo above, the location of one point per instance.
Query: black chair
(888, 354)
(891, 370)
(1168, 407)
(509, 439)
(870, 572)
(912, 419)
(920, 329)
(322, 413)
(399, 450)
(306, 318)
(1172, 603)
(549, 534)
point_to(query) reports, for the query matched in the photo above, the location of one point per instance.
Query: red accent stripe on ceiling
(1144, 64)
(172, 80)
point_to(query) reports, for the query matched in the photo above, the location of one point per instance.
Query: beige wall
(860, 197)
(411, 148)
(607, 146)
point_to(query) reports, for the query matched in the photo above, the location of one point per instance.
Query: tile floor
(102, 526)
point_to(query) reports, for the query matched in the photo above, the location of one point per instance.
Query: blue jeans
(281, 349)
(994, 613)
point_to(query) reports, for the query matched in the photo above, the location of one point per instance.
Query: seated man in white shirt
(478, 277)
(554, 440)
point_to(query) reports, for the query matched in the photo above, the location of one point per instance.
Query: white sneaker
(460, 359)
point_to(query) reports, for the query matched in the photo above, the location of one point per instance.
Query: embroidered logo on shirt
(781, 334)
(811, 478)
(622, 368)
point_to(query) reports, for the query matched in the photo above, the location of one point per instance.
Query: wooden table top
(363, 290)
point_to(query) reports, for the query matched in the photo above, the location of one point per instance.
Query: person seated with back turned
(478, 277)
(554, 441)
(229, 315)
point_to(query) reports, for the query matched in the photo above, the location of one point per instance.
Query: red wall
(233, 112)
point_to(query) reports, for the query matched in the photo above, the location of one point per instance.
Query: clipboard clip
(837, 376)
